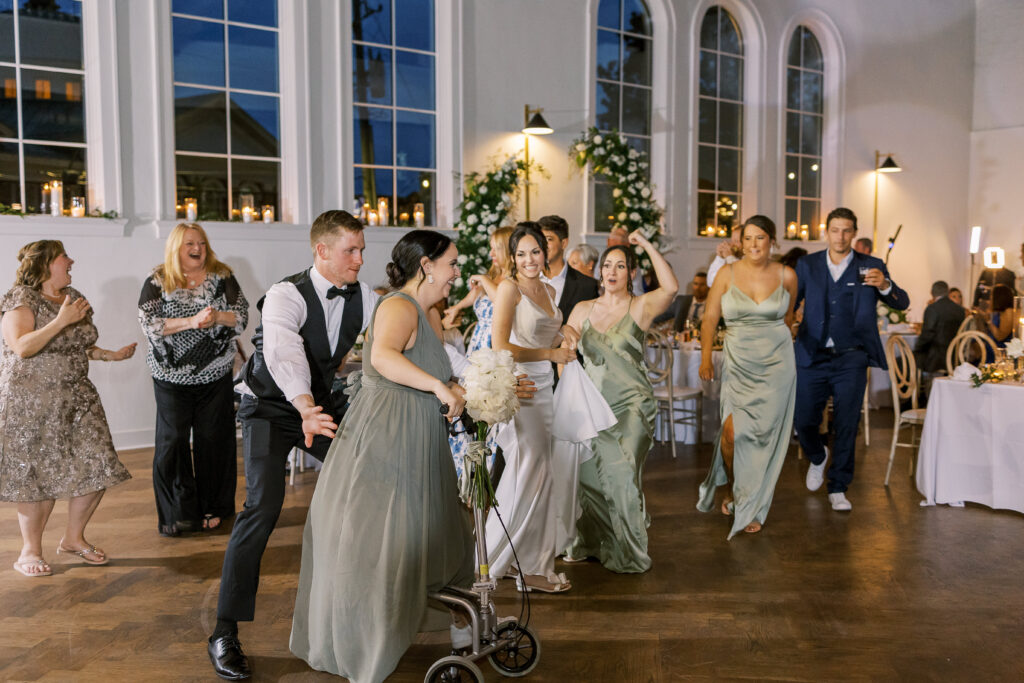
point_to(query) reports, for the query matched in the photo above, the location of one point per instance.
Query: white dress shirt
(558, 282)
(284, 314)
(716, 266)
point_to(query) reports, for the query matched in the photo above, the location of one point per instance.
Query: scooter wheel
(454, 669)
(520, 656)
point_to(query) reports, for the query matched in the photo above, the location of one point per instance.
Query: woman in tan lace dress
(54, 439)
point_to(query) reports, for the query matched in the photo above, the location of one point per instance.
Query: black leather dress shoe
(228, 659)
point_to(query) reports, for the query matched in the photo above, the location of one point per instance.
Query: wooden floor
(891, 591)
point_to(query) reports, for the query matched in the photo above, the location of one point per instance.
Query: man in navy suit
(836, 342)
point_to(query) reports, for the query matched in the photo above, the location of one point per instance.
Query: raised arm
(708, 325)
(657, 301)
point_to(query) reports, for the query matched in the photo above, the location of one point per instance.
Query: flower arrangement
(890, 315)
(490, 384)
(1015, 348)
(486, 204)
(609, 155)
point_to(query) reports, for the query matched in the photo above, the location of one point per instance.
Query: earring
(430, 278)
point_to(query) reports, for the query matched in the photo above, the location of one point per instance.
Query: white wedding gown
(524, 494)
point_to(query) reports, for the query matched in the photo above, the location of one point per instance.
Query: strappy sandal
(753, 528)
(82, 553)
(560, 587)
(43, 569)
(208, 523)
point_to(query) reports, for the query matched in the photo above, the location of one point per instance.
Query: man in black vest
(836, 342)
(571, 286)
(310, 320)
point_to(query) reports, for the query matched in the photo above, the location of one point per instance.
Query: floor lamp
(533, 124)
(886, 166)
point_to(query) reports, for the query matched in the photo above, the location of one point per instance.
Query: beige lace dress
(54, 438)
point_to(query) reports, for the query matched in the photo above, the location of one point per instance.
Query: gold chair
(904, 379)
(468, 334)
(667, 394)
(959, 349)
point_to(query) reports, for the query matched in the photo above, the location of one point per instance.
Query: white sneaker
(839, 502)
(816, 474)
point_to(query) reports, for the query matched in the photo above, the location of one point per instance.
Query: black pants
(267, 440)
(190, 482)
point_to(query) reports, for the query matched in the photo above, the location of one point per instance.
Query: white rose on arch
(616, 192)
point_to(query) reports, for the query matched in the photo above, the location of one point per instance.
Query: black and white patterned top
(191, 356)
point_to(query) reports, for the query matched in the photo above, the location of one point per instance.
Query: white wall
(908, 88)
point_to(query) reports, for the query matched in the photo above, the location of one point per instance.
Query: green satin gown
(613, 525)
(758, 390)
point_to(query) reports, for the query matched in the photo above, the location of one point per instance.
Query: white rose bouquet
(490, 384)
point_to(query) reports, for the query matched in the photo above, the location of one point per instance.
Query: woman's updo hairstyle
(34, 261)
(759, 221)
(410, 250)
(524, 229)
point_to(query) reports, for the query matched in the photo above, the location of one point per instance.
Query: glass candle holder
(418, 215)
(247, 205)
(383, 215)
(371, 217)
(191, 209)
(268, 213)
(44, 199)
(78, 207)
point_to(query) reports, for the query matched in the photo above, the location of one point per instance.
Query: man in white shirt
(571, 286)
(310, 321)
(726, 252)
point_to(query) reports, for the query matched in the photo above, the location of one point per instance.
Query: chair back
(961, 348)
(902, 372)
(658, 358)
(969, 323)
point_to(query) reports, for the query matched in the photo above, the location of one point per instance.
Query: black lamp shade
(538, 126)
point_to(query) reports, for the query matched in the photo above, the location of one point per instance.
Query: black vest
(322, 363)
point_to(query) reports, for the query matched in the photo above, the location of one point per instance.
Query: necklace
(196, 278)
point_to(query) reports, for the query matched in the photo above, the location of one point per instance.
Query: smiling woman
(191, 310)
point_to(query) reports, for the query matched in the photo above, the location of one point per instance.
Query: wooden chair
(904, 379)
(468, 334)
(963, 343)
(671, 398)
(969, 323)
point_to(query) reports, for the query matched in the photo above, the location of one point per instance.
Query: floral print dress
(54, 438)
(481, 339)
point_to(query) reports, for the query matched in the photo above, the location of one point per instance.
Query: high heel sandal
(560, 587)
(81, 553)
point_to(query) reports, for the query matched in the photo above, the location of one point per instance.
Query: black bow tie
(348, 291)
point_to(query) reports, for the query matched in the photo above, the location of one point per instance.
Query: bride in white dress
(527, 323)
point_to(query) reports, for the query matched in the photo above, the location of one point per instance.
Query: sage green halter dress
(385, 524)
(758, 390)
(613, 525)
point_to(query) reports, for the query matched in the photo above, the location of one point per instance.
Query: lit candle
(78, 207)
(247, 214)
(417, 218)
(44, 202)
(821, 230)
(56, 198)
(371, 217)
(364, 215)
(383, 216)
(803, 232)
(268, 213)
(721, 231)
(791, 230)
(191, 209)
(403, 218)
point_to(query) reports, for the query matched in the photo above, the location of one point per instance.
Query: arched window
(623, 88)
(720, 124)
(394, 108)
(805, 76)
(42, 110)
(227, 106)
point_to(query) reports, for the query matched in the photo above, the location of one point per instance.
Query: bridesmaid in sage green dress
(755, 295)
(614, 521)
(385, 524)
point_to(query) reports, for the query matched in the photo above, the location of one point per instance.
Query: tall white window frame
(663, 60)
(230, 155)
(833, 54)
(100, 92)
(754, 95)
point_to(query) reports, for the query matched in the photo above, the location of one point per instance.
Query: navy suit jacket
(812, 288)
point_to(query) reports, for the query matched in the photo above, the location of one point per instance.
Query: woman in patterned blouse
(192, 309)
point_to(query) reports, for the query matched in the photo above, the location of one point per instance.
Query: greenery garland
(610, 156)
(488, 200)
